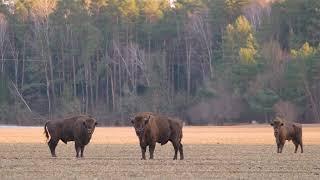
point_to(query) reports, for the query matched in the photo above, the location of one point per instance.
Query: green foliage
(263, 101)
(239, 41)
(128, 9)
(240, 50)
(303, 72)
(247, 55)
(243, 26)
(242, 75)
(294, 22)
(103, 52)
(305, 51)
(154, 9)
(206, 92)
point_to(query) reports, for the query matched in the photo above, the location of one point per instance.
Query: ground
(237, 152)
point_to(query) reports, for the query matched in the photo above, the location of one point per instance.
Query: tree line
(206, 61)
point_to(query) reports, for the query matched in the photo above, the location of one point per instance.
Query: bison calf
(287, 131)
(78, 129)
(151, 128)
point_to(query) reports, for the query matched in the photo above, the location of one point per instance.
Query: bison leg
(296, 148)
(296, 144)
(82, 149)
(52, 145)
(181, 151)
(278, 148)
(176, 148)
(281, 147)
(151, 149)
(77, 146)
(301, 146)
(143, 152)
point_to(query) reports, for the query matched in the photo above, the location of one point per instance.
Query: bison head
(277, 123)
(90, 125)
(139, 124)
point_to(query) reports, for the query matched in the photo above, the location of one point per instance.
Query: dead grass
(243, 152)
(246, 134)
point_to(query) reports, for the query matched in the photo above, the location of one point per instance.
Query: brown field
(234, 152)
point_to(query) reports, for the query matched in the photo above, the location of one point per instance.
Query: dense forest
(206, 61)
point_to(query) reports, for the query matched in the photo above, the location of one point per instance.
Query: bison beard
(151, 128)
(287, 131)
(78, 129)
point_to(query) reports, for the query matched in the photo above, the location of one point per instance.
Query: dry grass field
(234, 152)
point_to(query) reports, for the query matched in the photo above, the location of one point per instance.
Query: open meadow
(233, 152)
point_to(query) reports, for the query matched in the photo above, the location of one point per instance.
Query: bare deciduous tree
(200, 30)
(3, 35)
(287, 110)
(40, 12)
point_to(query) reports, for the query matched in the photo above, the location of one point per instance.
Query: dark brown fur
(152, 128)
(78, 129)
(287, 131)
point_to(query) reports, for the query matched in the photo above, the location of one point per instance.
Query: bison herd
(150, 128)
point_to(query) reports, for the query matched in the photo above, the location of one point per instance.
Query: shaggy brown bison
(78, 129)
(152, 128)
(284, 130)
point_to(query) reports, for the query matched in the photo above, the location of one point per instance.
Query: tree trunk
(48, 90)
(23, 62)
(2, 63)
(107, 92)
(74, 78)
(87, 88)
(52, 82)
(63, 67)
(172, 81)
(188, 55)
(314, 106)
(113, 89)
(83, 98)
(16, 70)
(91, 88)
(97, 84)
(120, 88)
(47, 77)
(49, 58)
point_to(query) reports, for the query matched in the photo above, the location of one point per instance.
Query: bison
(78, 129)
(152, 128)
(284, 130)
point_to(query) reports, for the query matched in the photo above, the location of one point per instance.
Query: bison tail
(46, 130)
